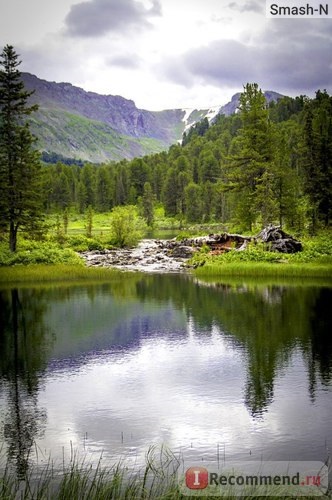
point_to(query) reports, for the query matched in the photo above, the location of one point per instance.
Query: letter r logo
(197, 478)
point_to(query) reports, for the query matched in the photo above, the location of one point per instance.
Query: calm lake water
(236, 369)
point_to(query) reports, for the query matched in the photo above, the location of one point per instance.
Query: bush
(253, 253)
(38, 253)
(81, 243)
(127, 228)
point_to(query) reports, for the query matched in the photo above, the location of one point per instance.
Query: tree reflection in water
(269, 322)
(23, 346)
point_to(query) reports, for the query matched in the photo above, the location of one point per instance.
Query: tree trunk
(12, 237)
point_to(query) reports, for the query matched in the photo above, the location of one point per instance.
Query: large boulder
(278, 240)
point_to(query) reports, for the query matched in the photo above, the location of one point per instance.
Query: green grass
(253, 281)
(79, 480)
(315, 261)
(44, 273)
(90, 140)
(38, 252)
(60, 251)
(266, 269)
(159, 479)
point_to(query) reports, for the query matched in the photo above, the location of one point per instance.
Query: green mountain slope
(92, 127)
(75, 136)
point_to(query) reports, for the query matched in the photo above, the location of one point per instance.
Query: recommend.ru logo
(256, 479)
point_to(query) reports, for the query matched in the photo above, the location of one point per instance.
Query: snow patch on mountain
(192, 116)
(186, 118)
(213, 112)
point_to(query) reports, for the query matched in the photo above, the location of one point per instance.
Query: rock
(172, 255)
(182, 252)
(149, 255)
(278, 240)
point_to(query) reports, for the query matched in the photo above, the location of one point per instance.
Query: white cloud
(283, 59)
(166, 53)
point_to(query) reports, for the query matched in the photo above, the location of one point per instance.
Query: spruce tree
(148, 204)
(170, 193)
(251, 167)
(193, 198)
(20, 182)
(318, 157)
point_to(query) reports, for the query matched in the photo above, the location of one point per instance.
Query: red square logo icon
(197, 478)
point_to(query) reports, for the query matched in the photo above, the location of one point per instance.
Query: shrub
(81, 243)
(127, 228)
(39, 253)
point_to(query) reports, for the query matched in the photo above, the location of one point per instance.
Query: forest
(264, 164)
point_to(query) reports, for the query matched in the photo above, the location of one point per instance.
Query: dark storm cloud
(293, 57)
(249, 6)
(98, 17)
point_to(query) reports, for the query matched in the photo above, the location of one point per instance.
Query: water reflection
(319, 350)
(157, 358)
(268, 321)
(23, 347)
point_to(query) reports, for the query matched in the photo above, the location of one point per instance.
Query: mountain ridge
(85, 125)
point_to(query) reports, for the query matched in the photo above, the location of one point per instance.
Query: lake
(213, 370)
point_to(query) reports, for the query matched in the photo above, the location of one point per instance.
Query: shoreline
(202, 257)
(53, 273)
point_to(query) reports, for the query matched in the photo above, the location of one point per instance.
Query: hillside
(85, 125)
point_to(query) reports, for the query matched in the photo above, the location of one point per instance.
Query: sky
(166, 54)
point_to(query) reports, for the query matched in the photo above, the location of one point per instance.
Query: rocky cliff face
(119, 113)
(85, 125)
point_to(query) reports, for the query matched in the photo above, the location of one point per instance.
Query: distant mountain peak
(86, 125)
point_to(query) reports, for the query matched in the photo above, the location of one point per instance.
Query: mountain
(74, 123)
(231, 107)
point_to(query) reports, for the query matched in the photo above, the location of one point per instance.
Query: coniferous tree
(251, 172)
(288, 184)
(209, 168)
(20, 178)
(170, 193)
(88, 178)
(318, 157)
(139, 175)
(193, 199)
(89, 221)
(81, 196)
(103, 190)
(121, 186)
(148, 204)
(65, 220)
(208, 196)
(60, 195)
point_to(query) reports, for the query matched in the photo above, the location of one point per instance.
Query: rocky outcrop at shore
(173, 255)
(278, 240)
(149, 256)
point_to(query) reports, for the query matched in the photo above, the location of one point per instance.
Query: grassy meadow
(54, 256)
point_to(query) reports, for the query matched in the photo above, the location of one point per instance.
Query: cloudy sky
(168, 53)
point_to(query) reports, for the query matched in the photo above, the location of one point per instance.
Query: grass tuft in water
(80, 480)
(42, 273)
(288, 269)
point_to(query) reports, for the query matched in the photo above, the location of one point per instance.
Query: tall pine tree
(20, 186)
(318, 157)
(250, 172)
